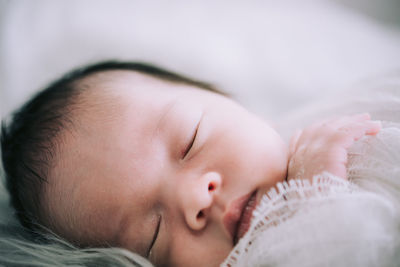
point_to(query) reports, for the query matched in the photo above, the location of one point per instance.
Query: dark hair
(29, 142)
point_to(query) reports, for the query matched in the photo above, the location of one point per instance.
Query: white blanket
(334, 222)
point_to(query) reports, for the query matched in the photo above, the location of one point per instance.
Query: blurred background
(271, 55)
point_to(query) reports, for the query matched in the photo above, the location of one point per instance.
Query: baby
(133, 156)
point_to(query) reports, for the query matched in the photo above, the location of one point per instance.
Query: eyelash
(189, 147)
(154, 238)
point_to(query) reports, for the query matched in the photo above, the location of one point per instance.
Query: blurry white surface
(272, 55)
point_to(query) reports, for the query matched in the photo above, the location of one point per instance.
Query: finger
(373, 127)
(346, 120)
(352, 132)
(360, 129)
(361, 117)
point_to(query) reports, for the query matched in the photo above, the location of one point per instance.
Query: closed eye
(190, 145)
(149, 251)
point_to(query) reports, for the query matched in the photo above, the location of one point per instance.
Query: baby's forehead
(117, 98)
(106, 94)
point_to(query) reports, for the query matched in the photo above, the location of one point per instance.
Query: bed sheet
(273, 56)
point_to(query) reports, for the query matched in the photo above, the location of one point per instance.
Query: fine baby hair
(29, 141)
(29, 145)
(154, 168)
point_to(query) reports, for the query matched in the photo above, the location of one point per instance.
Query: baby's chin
(254, 202)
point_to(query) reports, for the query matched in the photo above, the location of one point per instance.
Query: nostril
(200, 215)
(211, 187)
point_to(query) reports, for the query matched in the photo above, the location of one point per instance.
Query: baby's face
(163, 171)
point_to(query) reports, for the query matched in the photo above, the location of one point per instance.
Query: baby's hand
(323, 146)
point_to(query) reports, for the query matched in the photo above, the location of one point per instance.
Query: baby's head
(133, 156)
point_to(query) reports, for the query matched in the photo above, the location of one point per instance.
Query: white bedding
(334, 222)
(273, 56)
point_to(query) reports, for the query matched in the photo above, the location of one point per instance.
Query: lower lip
(245, 219)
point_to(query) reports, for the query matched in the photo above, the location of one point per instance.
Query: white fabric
(273, 55)
(334, 222)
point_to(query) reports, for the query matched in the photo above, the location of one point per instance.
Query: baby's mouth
(238, 217)
(245, 219)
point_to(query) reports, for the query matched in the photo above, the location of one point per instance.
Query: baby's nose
(198, 197)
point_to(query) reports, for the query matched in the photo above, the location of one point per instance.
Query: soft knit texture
(333, 222)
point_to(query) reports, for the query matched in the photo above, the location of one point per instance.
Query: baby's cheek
(209, 248)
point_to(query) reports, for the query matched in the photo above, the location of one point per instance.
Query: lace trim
(278, 206)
